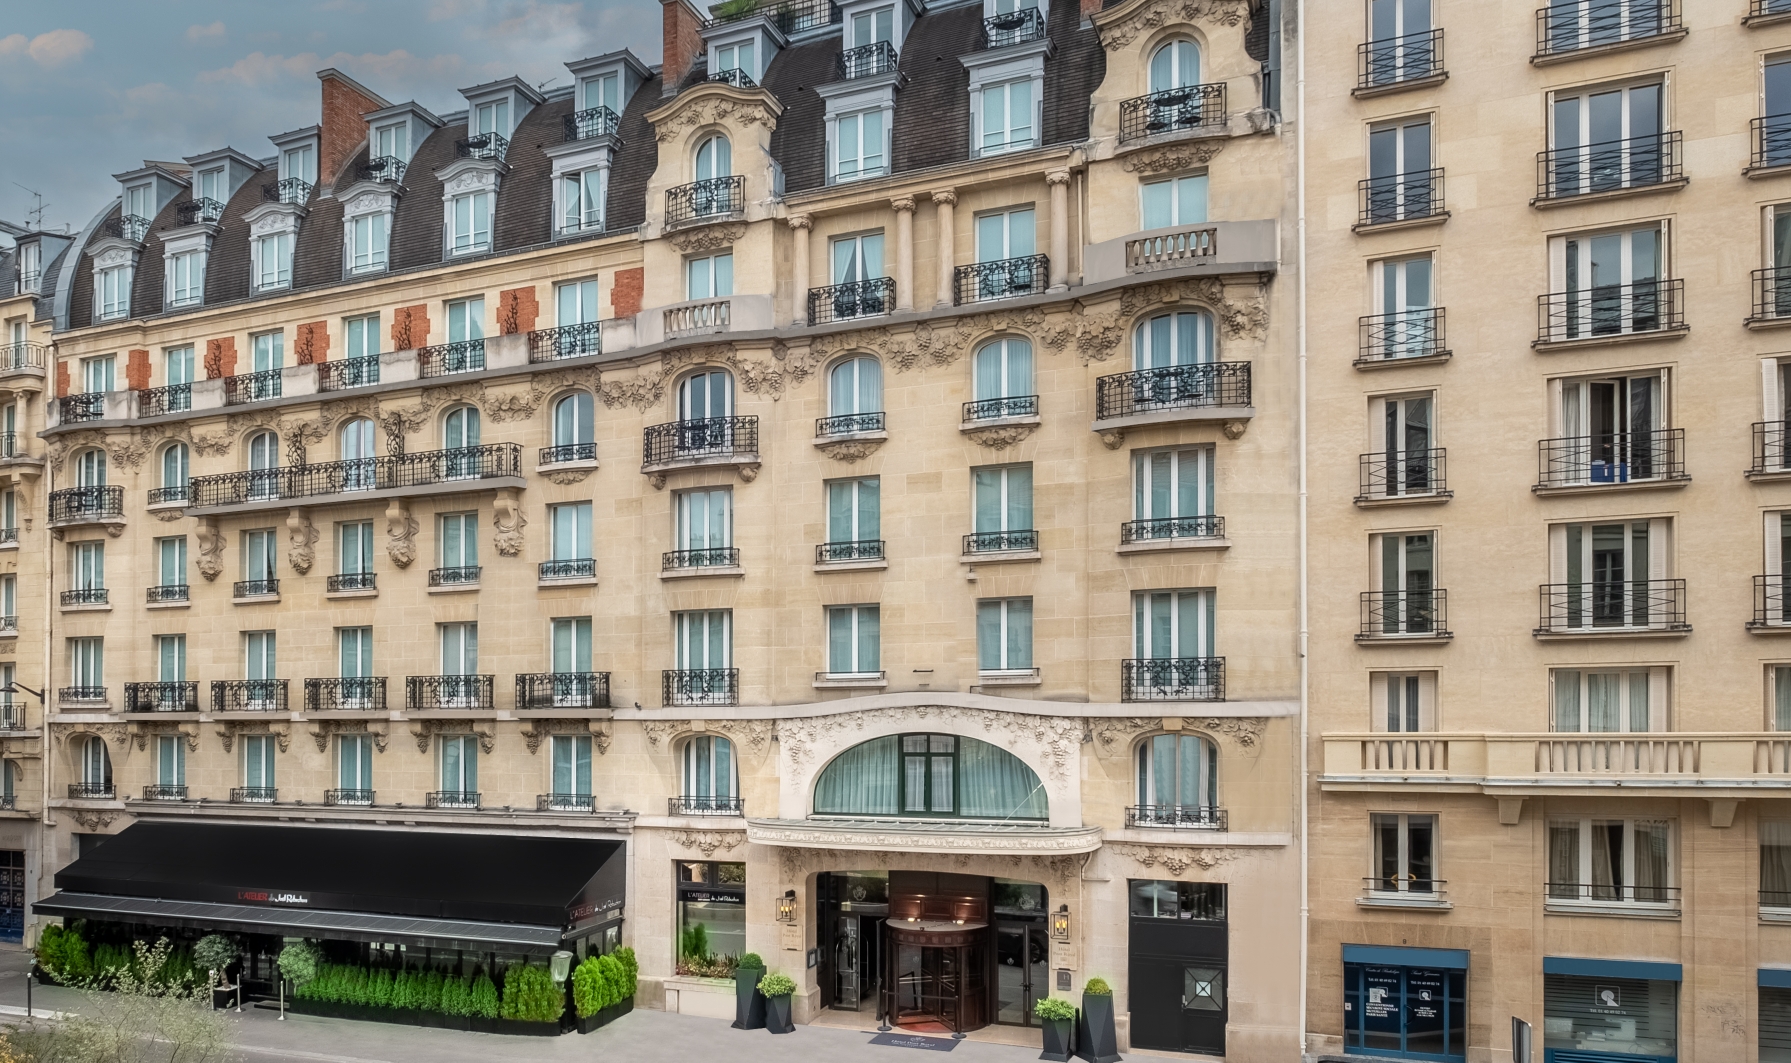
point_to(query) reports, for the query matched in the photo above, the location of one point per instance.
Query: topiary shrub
(456, 996)
(484, 997)
(1054, 1008)
(430, 991)
(631, 970)
(750, 962)
(590, 990)
(1097, 987)
(215, 952)
(379, 989)
(299, 961)
(530, 995)
(777, 985)
(62, 953)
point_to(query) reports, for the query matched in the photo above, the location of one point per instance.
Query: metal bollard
(282, 1000)
(27, 994)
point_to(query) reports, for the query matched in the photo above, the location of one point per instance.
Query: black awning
(539, 883)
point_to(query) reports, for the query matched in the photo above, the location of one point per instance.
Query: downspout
(1304, 597)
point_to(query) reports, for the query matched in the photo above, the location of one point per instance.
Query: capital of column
(800, 221)
(904, 205)
(947, 196)
(1058, 177)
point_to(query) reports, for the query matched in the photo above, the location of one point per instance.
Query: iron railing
(1419, 887)
(705, 805)
(1611, 310)
(1400, 197)
(252, 387)
(382, 168)
(9, 624)
(444, 359)
(562, 690)
(90, 791)
(423, 692)
(165, 792)
(1194, 108)
(1575, 25)
(566, 341)
(1613, 605)
(1173, 387)
(845, 424)
(173, 398)
(346, 694)
(997, 408)
(1156, 529)
(255, 588)
(166, 592)
(1199, 817)
(454, 576)
(81, 693)
(129, 227)
(451, 799)
(1612, 893)
(1772, 447)
(1000, 542)
(1612, 458)
(348, 797)
(345, 373)
(1764, 8)
(734, 76)
(1001, 279)
(350, 581)
(15, 356)
(700, 686)
(711, 557)
(87, 503)
(708, 437)
(85, 406)
(866, 60)
(1609, 166)
(569, 568)
(291, 190)
(9, 535)
(248, 695)
(703, 199)
(1772, 294)
(1402, 473)
(1172, 679)
(839, 302)
(483, 146)
(590, 123)
(565, 803)
(1013, 27)
(254, 795)
(789, 16)
(197, 210)
(1393, 614)
(1772, 141)
(1772, 608)
(358, 474)
(86, 596)
(161, 697)
(9, 445)
(1402, 334)
(855, 550)
(568, 452)
(1395, 60)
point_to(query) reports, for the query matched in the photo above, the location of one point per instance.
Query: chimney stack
(683, 43)
(343, 130)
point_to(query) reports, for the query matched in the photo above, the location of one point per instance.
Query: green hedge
(65, 955)
(601, 981)
(420, 990)
(530, 995)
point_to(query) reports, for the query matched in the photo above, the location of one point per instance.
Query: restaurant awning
(422, 888)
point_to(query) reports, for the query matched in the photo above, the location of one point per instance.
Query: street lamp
(1060, 923)
(16, 687)
(786, 907)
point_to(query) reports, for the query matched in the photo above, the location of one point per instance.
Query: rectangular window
(460, 764)
(97, 373)
(178, 366)
(112, 288)
(604, 90)
(89, 565)
(704, 519)
(354, 766)
(273, 261)
(1400, 183)
(1778, 709)
(1403, 701)
(458, 534)
(859, 150)
(1168, 899)
(703, 640)
(392, 141)
(854, 510)
(571, 649)
(1611, 576)
(1008, 234)
(1404, 599)
(1404, 853)
(186, 278)
(871, 27)
(1610, 430)
(260, 554)
(9, 603)
(9, 511)
(575, 302)
(367, 243)
(171, 658)
(1611, 861)
(493, 117)
(466, 320)
(1775, 863)
(857, 258)
(709, 278)
(171, 561)
(582, 198)
(1608, 701)
(299, 164)
(470, 223)
(261, 660)
(258, 767)
(354, 652)
(354, 554)
(572, 766)
(1608, 283)
(1606, 138)
(1177, 201)
(1172, 625)
(1003, 500)
(1605, 1017)
(267, 351)
(362, 337)
(1008, 119)
(171, 761)
(711, 913)
(570, 531)
(1004, 634)
(852, 640)
(211, 186)
(736, 57)
(87, 665)
(460, 649)
(1171, 490)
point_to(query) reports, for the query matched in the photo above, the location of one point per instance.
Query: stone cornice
(917, 837)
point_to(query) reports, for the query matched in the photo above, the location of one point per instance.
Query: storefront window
(1614, 1016)
(1775, 1016)
(1164, 899)
(711, 917)
(1405, 1003)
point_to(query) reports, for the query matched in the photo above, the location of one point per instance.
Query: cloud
(213, 33)
(47, 49)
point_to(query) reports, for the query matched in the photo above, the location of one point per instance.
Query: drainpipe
(1304, 597)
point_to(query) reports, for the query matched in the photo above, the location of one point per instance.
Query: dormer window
(367, 243)
(470, 223)
(392, 142)
(112, 291)
(736, 57)
(273, 261)
(493, 117)
(582, 196)
(30, 267)
(602, 90)
(210, 185)
(299, 164)
(137, 202)
(872, 27)
(1009, 118)
(186, 278)
(861, 145)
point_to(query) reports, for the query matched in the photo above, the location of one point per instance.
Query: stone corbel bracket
(401, 534)
(323, 730)
(424, 730)
(540, 729)
(507, 519)
(229, 729)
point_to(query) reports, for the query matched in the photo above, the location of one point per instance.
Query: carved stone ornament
(113, 258)
(507, 519)
(1114, 734)
(470, 181)
(1246, 731)
(229, 729)
(714, 110)
(301, 537)
(93, 819)
(323, 730)
(149, 730)
(538, 730)
(662, 729)
(425, 730)
(401, 534)
(708, 237)
(1058, 873)
(1174, 859)
(1118, 34)
(274, 222)
(211, 548)
(1059, 737)
(1001, 437)
(850, 450)
(707, 842)
(169, 515)
(1172, 157)
(568, 477)
(1236, 429)
(1113, 438)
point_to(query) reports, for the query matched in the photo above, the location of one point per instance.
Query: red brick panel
(136, 370)
(313, 343)
(410, 327)
(61, 379)
(517, 311)
(625, 296)
(343, 132)
(220, 357)
(683, 39)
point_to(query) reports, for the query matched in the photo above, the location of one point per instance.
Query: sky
(95, 87)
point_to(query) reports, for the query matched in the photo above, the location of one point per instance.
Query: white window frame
(848, 129)
(850, 622)
(470, 239)
(578, 207)
(112, 292)
(1403, 702)
(1402, 882)
(369, 242)
(186, 278)
(1004, 613)
(1573, 687)
(275, 274)
(1627, 894)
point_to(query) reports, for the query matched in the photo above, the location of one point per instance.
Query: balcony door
(1611, 283)
(460, 438)
(1607, 138)
(704, 519)
(357, 454)
(1009, 234)
(1172, 625)
(1405, 304)
(260, 664)
(171, 659)
(1404, 426)
(570, 660)
(1399, 171)
(1406, 580)
(1399, 42)
(1172, 485)
(571, 771)
(90, 469)
(716, 156)
(1176, 65)
(702, 644)
(354, 647)
(1174, 339)
(858, 258)
(1177, 773)
(1613, 427)
(1606, 573)
(702, 396)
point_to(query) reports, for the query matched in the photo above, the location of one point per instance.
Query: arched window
(90, 469)
(714, 158)
(264, 465)
(1004, 386)
(1178, 781)
(1175, 65)
(855, 387)
(176, 467)
(710, 781)
(460, 438)
(96, 764)
(929, 775)
(706, 394)
(574, 428)
(1184, 338)
(357, 455)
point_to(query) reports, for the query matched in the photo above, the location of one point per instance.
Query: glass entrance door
(1022, 972)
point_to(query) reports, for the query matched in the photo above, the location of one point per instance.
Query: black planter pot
(1057, 1039)
(777, 1014)
(604, 1016)
(1096, 1039)
(749, 1003)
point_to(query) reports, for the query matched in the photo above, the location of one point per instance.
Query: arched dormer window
(574, 429)
(1178, 783)
(1183, 338)
(264, 465)
(1004, 383)
(713, 191)
(707, 394)
(176, 468)
(711, 782)
(714, 158)
(357, 454)
(930, 775)
(90, 469)
(1175, 65)
(460, 441)
(855, 386)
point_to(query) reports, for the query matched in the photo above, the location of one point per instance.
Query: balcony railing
(565, 803)
(86, 596)
(1403, 334)
(9, 625)
(1172, 679)
(254, 795)
(350, 581)
(569, 568)
(1004, 278)
(423, 692)
(255, 588)
(1772, 447)
(291, 190)
(164, 496)
(705, 805)
(1173, 387)
(566, 341)
(483, 146)
(566, 452)
(1001, 542)
(90, 791)
(789, 16)
(1002, 407)
(1772, 141)
(839, 302)
(1771, 606)
(345, 373)
(347, 694)
(198, 210)
(15, 356)
(699, 319)
(1188, 246)
(700, 686)
(451, 799)
(1764, 8)
(1163, 529)
(445, 359)
(166, 592)
(1198, 817)
(1611, 310)
(348, 797)
(454, 576)
(1395, 60)
(711, 557)
(9, 535)
(1413, 889)
(1405, 614)
(1575, 25)
(9, 445)
(1613, 606)
(165, 792)
(1612, 458)
(382, 168)
(105, 502)
(1194, 108)
(81, 693)
(1403, 474)
(161, 697)
(1013, 27)
(85, 406)
(1609, 166)
(1772, 294)
(1401, 197)
(713, 197)
(866, 60)
(590, 123)
(252, 387)
(734, 76)
(359, 474)
(248, 695)
(129, 227)
(174, 398)
(562, 690)
(856, 550)
(1613, 893)
(845, 424)
(708, 437)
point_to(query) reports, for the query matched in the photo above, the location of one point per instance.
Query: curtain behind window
(996, 784)
(862, 781)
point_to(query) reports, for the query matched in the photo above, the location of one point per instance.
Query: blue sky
(94, 87)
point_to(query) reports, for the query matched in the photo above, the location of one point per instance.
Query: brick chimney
(344, 131)
(683, 43)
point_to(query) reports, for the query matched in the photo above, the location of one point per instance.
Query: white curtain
(862, 781)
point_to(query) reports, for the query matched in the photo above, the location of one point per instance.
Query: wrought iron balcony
(566, 341)
(569, 568)
(1610, 310)
(1001, 542)
(562, 690)
(1412, 889)
(174, 398)
(9, 625)
(382, 168)
(1399, 60)
(1387, 475)
(129, 227)
(714, 197)
(1772, 141)
(712, 557)
(345, 373)
(81, 693)
(199, 210)
(734, 76)
(346, 694)
(1164, 529)
(1612, 893)
(350, 581)
(451, 799)
(420, 469)
(1612, 458)
(165, 792)
(1191, 109)
(566, 452)
(76, 504)
(845, 424)
(90, 791)
(866, 60)
(1609, 166)
(445, 359)
(1013, 27)
(252, 387)
(998, 408)
(86, 406)
(86, 596)
(1772, 294)
(291, 190)
(454, 576)
(483, 146)
(700, 686)
(9, 535)
(1005, 278)
(1613, 607)
(362, 798)
(255, 588)
(1206, 385)
(16, 356)
(1198, 817)
(161, 697)
(705, 805)
(164, 496)
(694, 440)
(424, 692)
(839, 302)
(1401, 335)
(1400, 197)
(1771, 606)
(1172, 679)
(1575, 25)
(254, 795)
(589, 124)
(856, 550)
(248, 695)
(1405, 614)
(565, 803)
(789, 16)
(1772, 448)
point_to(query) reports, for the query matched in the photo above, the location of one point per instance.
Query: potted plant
(1055, 1019)
(749, 1003)
(777, 989)
(1096, 1039)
